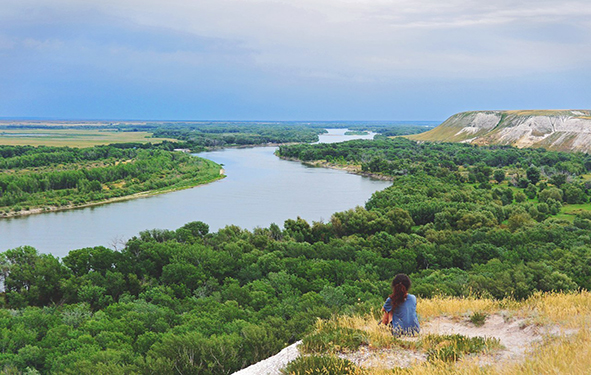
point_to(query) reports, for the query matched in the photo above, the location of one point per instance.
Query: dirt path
(517, 336)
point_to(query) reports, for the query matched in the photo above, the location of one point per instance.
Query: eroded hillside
(560, 130)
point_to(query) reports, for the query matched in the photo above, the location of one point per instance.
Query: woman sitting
(400, 309)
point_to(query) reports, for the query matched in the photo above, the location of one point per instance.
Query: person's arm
(386, 319)
(387, 310)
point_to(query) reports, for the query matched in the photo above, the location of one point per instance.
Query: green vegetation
(220, 134)
(331, 337)
(53, 177)
(178, 301)
(321, 365)
(197, 136)
(356, 132)
(478, 318)
(449, 348)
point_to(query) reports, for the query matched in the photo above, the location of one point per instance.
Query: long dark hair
(400, 286)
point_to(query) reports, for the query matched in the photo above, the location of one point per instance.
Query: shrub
(325, 365)
(478, 318)
(450, 348)
(331, 337)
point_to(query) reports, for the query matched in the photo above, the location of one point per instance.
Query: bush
(478, 318)
(326, 365)
(551, 193)
(450, 348)
(330, 337)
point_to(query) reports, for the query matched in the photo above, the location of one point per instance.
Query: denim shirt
(404, 317)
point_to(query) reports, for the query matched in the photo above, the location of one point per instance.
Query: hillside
(547, 333)
(558, 130)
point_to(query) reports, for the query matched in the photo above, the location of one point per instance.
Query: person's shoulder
(412, 297)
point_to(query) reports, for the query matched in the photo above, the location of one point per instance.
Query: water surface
(259, 189)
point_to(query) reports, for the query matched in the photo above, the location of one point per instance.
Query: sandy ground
(517, 337)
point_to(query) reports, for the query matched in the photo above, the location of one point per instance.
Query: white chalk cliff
(562, 130)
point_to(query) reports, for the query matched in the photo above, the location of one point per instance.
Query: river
(259, 189)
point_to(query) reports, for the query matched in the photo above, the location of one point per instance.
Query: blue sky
(291, 60)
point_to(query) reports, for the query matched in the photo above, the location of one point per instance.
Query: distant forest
(200, 136)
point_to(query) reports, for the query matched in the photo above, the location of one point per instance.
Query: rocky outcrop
(562, 130)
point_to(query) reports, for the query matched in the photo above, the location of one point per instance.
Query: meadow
(73, 137)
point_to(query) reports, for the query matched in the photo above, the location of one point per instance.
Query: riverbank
(143, 194)
(238, 147)
(350, 168)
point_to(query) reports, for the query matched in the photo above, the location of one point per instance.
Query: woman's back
(404, 316)
(400, 308)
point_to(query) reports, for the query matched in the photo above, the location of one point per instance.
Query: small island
(356, 132)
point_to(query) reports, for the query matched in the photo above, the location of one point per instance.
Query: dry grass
(544, 308)
(571, 310)
(565, 354)
(74, 137)
(456, 307)
(377, 336)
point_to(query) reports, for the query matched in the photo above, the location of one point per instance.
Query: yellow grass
(74, 137)
(568, 310)
(455, 307)
(558, 308)
(562, 355)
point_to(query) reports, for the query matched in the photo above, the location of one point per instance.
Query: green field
(73, 137)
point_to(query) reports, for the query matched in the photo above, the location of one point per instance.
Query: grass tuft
(450, 348)
(322, 365)
(478, 318)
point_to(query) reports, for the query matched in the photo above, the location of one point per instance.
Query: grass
(449, 354)
(73, 137)
(450, 348)
(573, 209)
(478, 318)
(347, 334)
(331, 336)
(322, 365)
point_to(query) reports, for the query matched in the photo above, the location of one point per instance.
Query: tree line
(61, 176)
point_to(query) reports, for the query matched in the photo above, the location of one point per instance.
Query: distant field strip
(72, 137)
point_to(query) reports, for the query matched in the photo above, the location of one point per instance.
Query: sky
(291, 60)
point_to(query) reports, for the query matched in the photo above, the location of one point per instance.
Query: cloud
(258, 44)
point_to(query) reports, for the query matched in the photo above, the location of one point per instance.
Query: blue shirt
(404, 317)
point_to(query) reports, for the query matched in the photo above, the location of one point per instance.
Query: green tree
(499, 175)
(533, 175)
